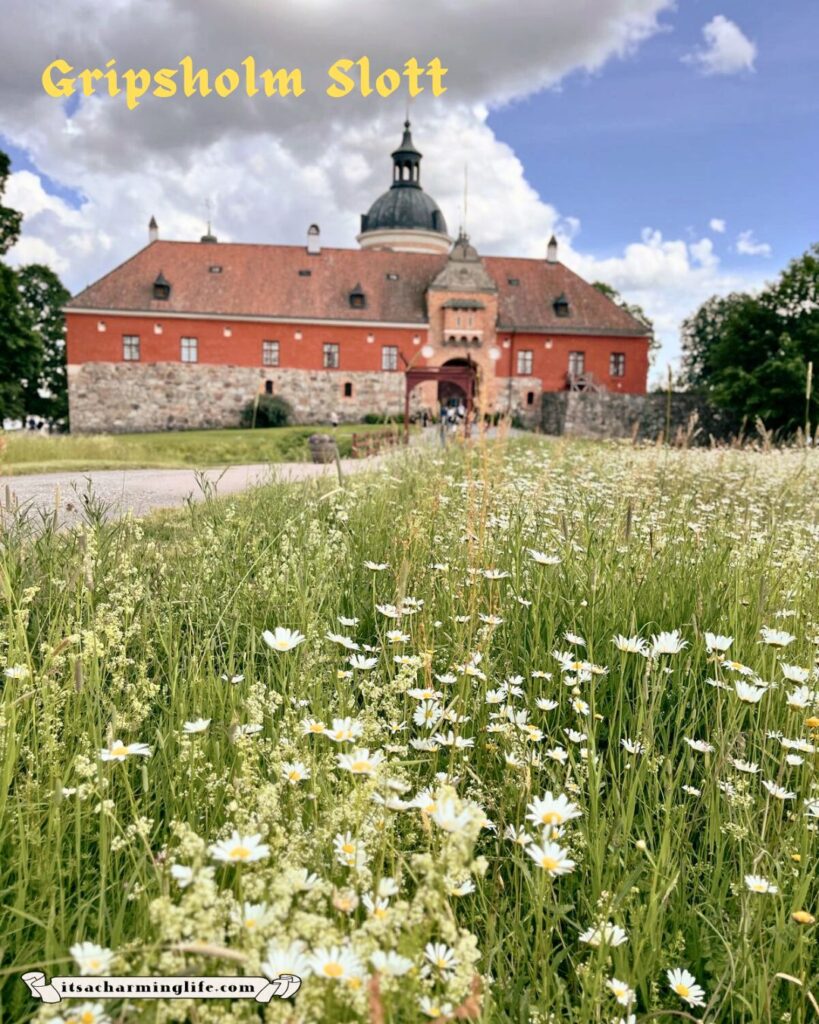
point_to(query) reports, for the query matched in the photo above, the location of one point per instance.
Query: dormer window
(357, 298)
(513, 281)
(215, 269)
(162, 287)
(305, 273)
(561, 305)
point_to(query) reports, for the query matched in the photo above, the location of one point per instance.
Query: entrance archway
(459, 374)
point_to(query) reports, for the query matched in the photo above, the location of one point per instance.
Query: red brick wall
(85, 343)
(551, 364)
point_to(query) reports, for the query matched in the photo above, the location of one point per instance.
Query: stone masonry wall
(139, 397)
(604, 414)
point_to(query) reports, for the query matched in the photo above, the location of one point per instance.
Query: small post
(668, 409)
(808, 390)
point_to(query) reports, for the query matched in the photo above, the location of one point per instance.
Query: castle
(184, 335)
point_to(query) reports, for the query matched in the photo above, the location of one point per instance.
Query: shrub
(272, 411)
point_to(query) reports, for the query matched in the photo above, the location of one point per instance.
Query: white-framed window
(525, 357)
(130, 348)
(189, 350)
(577, 363)
(270, 353)
(330, 355)
(389, 357)
(617, 364)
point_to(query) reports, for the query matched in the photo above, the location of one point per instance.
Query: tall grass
(125, 631)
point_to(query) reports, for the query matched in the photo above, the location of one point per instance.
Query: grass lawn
(25, 452)
(526, 733)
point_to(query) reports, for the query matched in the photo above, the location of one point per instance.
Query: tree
(630, 307)
(749, 354)
(43, 297)
(32, 347)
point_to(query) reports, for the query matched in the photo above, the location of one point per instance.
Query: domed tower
(405, 218)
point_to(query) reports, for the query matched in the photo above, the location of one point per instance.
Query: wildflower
(458, 742)
(452, 815)
(776, 637)
(345, 900)
(118, 751)
(631, 644)
(800, 698)
(295, 772)
(289, 959)
(552, 858)
(347, 622)
(360, 761)
(377, 566)
(390, 963)
(744, 766)
(542, 558)
(685, 986)
(310, 727)
(16, 672)
(701, 746)
(462, 887)
(397, 636)
(748, 693)
(344, 729)
(434, 1008)
(349, 851)
(803, 917)
(250, 729)
(253, 915)
(91, 958)
(197, 725)
(344, 641)
(605, 934)
(795, 673)
(551, 810)
(182, 874)
(495, 574)
(377, 907)
(622, 992)
(778, 791)
(233, 679)
(692, 790)
(756, 883)
(440, 957)
(667, 643)
(239, 849)
(558, 754)
(632, 746)
(545, 704)
(85, 1013)
(283, 639)
(359, 661)
(490, 620)
(717, 642)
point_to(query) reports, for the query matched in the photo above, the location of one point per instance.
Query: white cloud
(718, 225)
(727, 49)
(747, 245)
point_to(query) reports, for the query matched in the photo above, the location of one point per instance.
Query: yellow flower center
(361, 766)
(333, 969)
(549, 863)
(380, 912)
(316, 727)
(282, 645)
(354, 983)
(682, 990)
(94, 964)
(348, 848)
(88, 1017)
(294, 776)
(250, 922)
(119, 750)
(239, 853)
(552, 818)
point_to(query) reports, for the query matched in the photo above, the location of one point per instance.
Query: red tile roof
(265, 281)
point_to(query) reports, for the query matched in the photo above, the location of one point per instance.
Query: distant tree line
(750, 354)
(32, 330)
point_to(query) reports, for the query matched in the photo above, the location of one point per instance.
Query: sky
(671, 146)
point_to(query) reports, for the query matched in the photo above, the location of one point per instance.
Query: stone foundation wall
(605, 414)
(513, 394)
(140, 397)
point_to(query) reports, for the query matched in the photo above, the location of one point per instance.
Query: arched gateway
(461, 375)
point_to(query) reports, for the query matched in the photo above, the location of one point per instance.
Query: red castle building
(185, 334)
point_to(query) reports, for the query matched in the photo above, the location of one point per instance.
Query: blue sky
(647, 142)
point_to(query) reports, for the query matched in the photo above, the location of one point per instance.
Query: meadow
(520, 733)
(24, 452)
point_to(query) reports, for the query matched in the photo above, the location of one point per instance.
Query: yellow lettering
(165, 84)
(282, 82)
(413, 71)
(249, 64)
(194, 82)
(344, 84)
(88, 76)
(364, 88)
(63, 87)
(436, 72)
(387, 82)
(226, 82)
(111, 75)
(137, 83)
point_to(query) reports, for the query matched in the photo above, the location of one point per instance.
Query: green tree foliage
(749, 354)
(32, 333)
(43, 297)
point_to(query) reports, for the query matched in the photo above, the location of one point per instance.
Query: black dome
(407, 208)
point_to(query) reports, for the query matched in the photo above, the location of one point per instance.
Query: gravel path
(143, 490)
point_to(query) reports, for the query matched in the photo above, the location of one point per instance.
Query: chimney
(551, 250)
(313, 243)
(153, 230)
